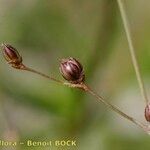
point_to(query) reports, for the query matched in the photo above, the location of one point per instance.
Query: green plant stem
(132, 50)
(87, 89)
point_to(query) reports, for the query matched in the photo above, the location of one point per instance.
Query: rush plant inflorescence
(73, 72)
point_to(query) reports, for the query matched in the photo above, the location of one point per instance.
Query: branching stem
(87, 89)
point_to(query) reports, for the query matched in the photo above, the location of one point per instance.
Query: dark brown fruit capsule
(72, 70)
(147, 112)
(11, 55)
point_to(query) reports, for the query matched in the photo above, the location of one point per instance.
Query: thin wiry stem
(115, 109)
(132, 50)
(23, 67)
(86, 88)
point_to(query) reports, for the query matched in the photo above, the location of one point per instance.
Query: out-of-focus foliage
(92, 31)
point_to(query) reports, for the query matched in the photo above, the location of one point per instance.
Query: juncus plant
(73, 72)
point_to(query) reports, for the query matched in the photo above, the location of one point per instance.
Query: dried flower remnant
(147, 112)
(72, 70)
(11, 55)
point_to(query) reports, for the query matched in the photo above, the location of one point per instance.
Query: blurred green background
(91, 31)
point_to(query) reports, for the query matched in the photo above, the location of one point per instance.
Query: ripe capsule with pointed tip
(72, 70)
(147, 112)
(11, 55)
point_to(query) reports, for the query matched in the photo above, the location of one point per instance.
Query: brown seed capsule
(147, 112)
(72, 70)
(11, 55)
